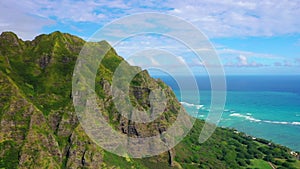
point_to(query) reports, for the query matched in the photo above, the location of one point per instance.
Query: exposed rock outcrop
(37, 114)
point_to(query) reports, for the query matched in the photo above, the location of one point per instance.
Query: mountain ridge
(40, 129)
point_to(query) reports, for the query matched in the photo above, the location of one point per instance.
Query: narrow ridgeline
(40, 129)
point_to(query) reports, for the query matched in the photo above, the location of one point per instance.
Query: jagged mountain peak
(9, 40)
(40, 129)
(8, 35)
(57, 35)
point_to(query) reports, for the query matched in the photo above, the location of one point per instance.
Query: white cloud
(216, 18)
(15, 16)
(28, 18)
(153, 61)
(229, 57)
(227, 51)
(242, 60)
(241, 18)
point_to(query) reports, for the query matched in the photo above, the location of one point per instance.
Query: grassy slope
(257, 163)
(49, 88)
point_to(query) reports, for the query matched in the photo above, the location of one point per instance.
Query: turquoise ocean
(261, 106)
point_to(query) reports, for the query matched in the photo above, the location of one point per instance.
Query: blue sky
(251, 37)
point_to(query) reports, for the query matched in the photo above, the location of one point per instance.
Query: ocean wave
(283, 122)
(250, 118)
(197, 106)
(295, 123)
(277, 122)
(247, 117)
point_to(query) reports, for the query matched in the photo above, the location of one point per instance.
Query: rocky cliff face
(39, 127)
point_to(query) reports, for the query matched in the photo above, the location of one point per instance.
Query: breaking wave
(247, 117)
(250, 118)
(197, 106)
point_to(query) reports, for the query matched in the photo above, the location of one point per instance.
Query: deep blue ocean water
(261, 106)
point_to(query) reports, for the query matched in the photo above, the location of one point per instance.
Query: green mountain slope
(39, 127)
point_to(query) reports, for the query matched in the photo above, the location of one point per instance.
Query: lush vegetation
(225, 149)
(39, 128)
